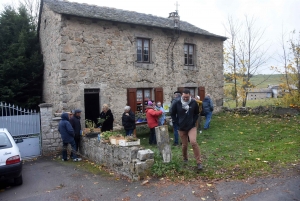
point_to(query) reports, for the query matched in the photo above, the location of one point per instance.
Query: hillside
(262, 81)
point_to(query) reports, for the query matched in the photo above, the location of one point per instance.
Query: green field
(262, 81)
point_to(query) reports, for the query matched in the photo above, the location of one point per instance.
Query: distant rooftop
(119, 15)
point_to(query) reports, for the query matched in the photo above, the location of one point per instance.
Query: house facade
(95, 55)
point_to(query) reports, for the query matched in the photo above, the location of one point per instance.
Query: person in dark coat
(185, 112)
(75, 122)
(128, 120)
(67, 134)
(177, 97)
(108, 117)
(208, 108)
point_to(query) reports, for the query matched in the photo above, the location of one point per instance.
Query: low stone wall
(132, 162)
(263, 110)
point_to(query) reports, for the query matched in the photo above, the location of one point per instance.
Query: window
(143, 50)
(189, 54)
(193, 90)
(142, 98)
(137, 99)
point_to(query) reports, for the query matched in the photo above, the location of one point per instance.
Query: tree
(231, 55)
(244, 55)
(21, 66)
(291, 69)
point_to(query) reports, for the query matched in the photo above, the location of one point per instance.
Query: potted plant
(90, 125)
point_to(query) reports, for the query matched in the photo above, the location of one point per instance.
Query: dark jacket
(174, 100)
(65, 128)
(185, 120)
(109, 121)
(207, 105)
(128, 121)
(75, 122)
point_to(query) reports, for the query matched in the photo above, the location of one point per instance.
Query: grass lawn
(235, 147)
(254, 103)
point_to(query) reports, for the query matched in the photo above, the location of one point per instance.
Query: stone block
(145, 154)
(163, 142)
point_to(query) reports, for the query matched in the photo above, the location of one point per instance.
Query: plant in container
(105, 136)
(90, 124)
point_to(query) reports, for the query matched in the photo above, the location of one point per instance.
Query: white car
(10, 157)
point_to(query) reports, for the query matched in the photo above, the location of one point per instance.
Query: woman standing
(128, 120)
(108, 117)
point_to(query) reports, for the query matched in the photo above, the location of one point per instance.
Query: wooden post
(163, 142)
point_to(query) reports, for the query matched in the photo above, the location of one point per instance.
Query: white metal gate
(22, 124)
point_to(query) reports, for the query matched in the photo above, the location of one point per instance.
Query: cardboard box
(124, 143)
(115, 140)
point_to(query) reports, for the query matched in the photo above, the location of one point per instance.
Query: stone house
(95, 55)
(255, 94)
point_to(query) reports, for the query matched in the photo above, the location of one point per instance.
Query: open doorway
(92, 104)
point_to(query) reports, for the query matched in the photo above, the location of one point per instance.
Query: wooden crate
(87, 130)
(124, 143)
(115, 140)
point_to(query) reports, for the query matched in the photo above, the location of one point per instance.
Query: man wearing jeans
(177, 97)
(208, 108)
(186, 110)
(67, 135)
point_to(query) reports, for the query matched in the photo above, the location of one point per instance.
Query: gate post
(50, 137)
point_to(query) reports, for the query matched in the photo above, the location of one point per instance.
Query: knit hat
(150, 103)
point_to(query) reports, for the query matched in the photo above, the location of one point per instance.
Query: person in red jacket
(152, 120)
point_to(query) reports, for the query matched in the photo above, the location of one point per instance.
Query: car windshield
(4, 141)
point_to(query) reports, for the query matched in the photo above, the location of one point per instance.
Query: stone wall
(88, 54)
(51, 139)
(265, 110)
(50, 40)
(132, 162)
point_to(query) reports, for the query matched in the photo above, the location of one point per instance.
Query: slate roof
(118, 15)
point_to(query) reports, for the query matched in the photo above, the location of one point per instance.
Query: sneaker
(185, 161)
(200, 131)
(77, 159)
(199, 166)
(175, 144)
(64, 159)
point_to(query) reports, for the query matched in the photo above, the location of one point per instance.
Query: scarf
(185, 105)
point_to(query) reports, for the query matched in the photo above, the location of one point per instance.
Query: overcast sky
(275, 16)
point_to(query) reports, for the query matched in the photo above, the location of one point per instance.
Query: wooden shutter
(159, 95)
(131, 98)
(201, 93)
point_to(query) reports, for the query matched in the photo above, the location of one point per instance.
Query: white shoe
(200, 131)
(77, 159)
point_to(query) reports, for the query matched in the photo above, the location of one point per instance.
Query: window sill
(145, 66)
(194, 68)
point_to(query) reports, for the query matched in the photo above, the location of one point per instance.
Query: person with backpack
(208, 108)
